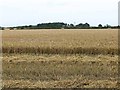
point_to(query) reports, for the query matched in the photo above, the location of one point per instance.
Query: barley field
(60, 58)
(61, 42)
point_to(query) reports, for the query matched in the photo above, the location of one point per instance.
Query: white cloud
(18, 12)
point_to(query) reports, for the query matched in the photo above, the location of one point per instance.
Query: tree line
(61, 25)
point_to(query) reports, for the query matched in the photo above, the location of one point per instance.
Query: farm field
(60, 58)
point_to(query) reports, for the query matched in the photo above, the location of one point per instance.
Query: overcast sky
(26, 12)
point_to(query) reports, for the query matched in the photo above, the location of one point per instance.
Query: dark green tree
(100, 26)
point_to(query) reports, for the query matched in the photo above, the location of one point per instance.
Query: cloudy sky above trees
(26, 12)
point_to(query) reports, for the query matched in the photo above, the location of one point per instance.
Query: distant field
(61, 41)
(60, 58)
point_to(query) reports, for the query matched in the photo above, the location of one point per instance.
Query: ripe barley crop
(61, 42)
(60, 58)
